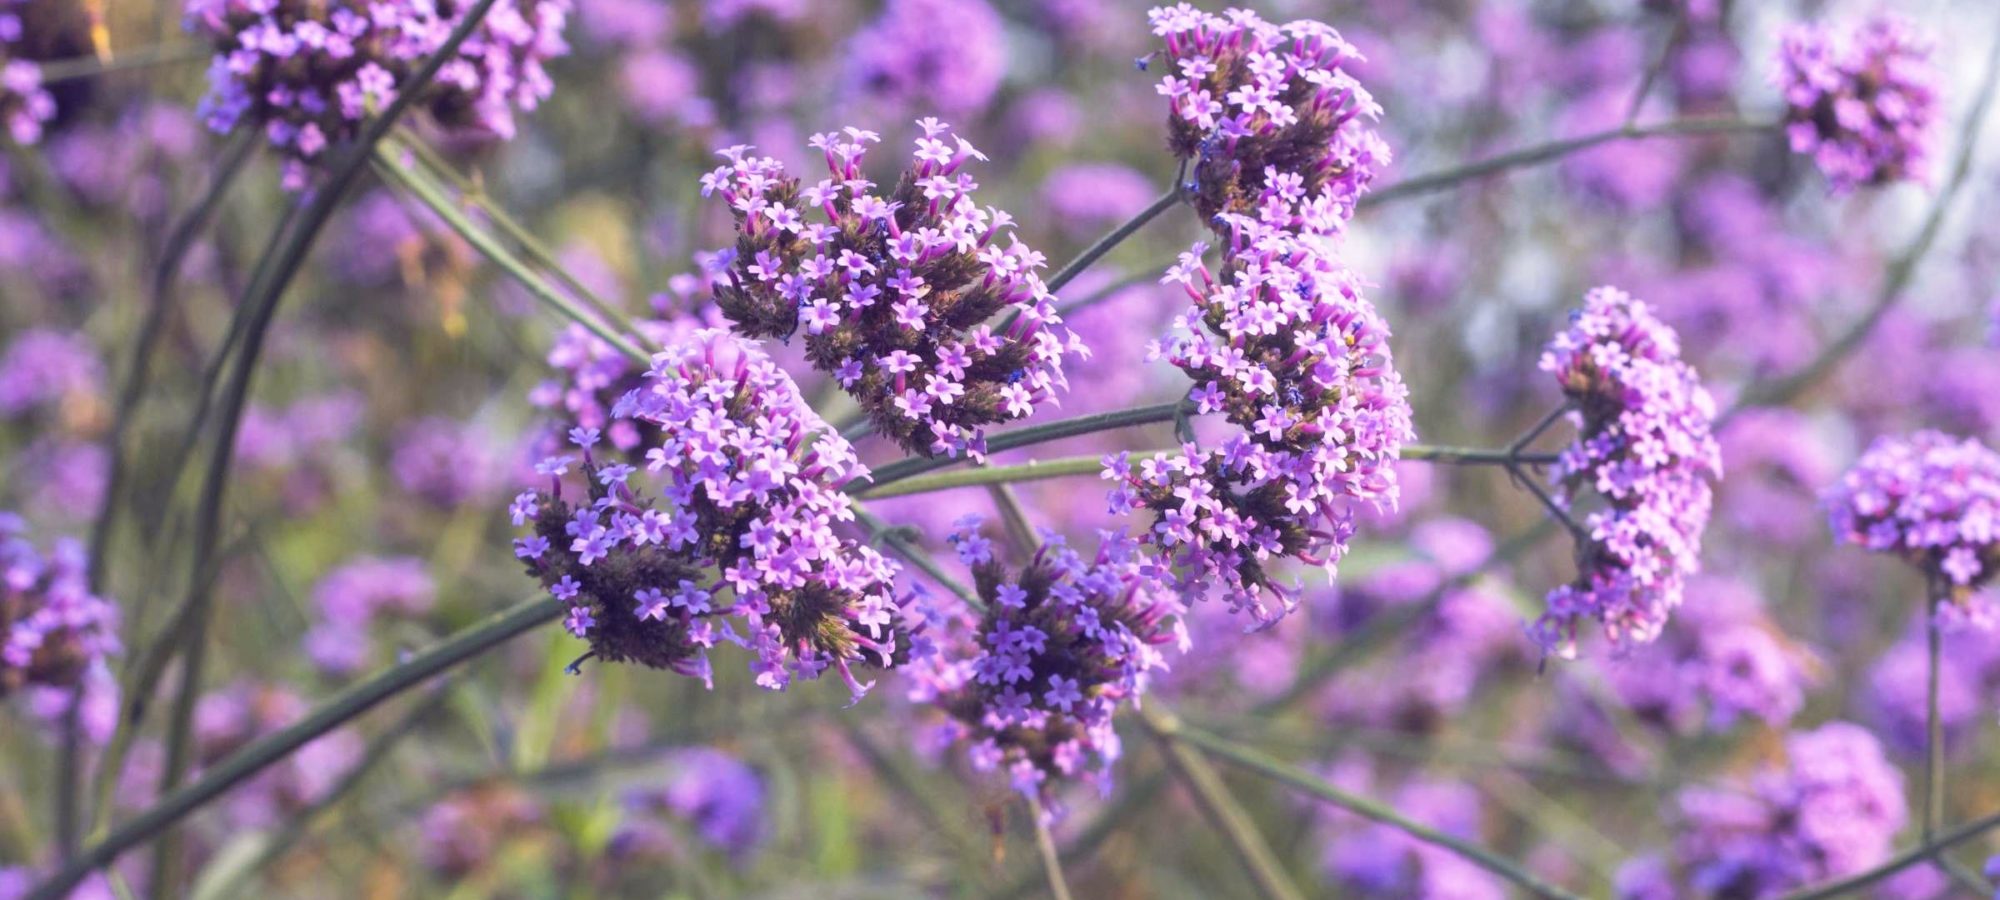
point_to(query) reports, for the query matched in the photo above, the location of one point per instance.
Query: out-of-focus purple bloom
(1722, 652)
(1031, 684)
(52, 628)
(716, 794)
(895, 293)
(662, 87)
(44, 369)
(943, 55)
(1831, 810)
(1267, 113)
(1898, 693)
(356, 594)
(1644, 445)
(309, 73)
(744, 500)
(446, 463)
(1087, 196)
(1374, 860)
(1863, 103)
(460, 835)
(1775, 470)
(227, 719)
(25, 106)
(1930, 499)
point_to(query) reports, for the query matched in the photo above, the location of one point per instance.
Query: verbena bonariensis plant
(850, 376)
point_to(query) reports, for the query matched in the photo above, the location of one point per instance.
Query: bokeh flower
(1863, 103)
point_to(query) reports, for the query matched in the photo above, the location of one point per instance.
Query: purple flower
(1264, 111)
(947, 55)
(460, 834)
(716, 794)
(1374, 860)
(48, 370)
(1722, 651)
(1832, 810)
(1863, 103)
(741, 494)
(896, 292)
(53, 630)
(25, 106)
(1033, 684)
(1930, 499)
(1285, 346)
(1085, 197)
(445, 463)
(353, 597)
(307, 74)
(1644, 446)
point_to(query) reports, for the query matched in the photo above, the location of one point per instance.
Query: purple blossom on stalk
(1262, 110)
(228, 719)
(25, 106)
(309, 73)
(1645, 447)
(353, 596)
(1286, 347)
(948, 55)
(53, 630)
(744, 498)
(1833, 809)
(1374, 860)
(718, 795)
(48, 369)
(1720, 660)
(1930, 499)
(895, 293)
(1031, 684)
(445, 463)
(1863, 103)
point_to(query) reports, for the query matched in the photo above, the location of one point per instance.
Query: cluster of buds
(1260, 110)
(1863, 105)
(1034, 679)
(309, 73)
(894, 293)
(1645, 446)
(52, 628)
(1928, 498)
(25, 105)
(744, 500)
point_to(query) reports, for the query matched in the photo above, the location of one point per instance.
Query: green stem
(1555, 150)
(1111, 240)
(1895, 280)
(432, 195)
(1292, 776)
(1045, 845)
(77, 67)
(263, 300)
(1220, 807)
(263, 752)
(1917, 855)
(1023, 437)
(893, 539)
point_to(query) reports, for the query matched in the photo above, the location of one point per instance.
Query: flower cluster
(1721, 652)
(1263, 111)
(895, 292)
(309, 73)
(25, 106)
(52, 628)
(1832, 810)
(227, 720)
(45, 369)
(1054, 652)
(717, 795)
(1284, 345)
(1645, 447)
(352, 597)
(1367, 859)
(907, 57)
(445, 463)
(1864, 104)
(747, 498)
(1929, 498)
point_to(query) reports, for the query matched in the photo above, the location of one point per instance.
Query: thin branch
(79, 67)
(1914, 856)
(1555, 150)
(1219, 807)
(1292, 776)
(893, 538)
(1045, 844)
(1110, 241)
(1024, 437)
(338, 710)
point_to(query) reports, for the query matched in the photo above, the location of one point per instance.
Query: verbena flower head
(1286, 348)
(354, 596)
(228, 719)
(739, 498)
(309, 72)
(947, 55)
(1928, 498)
(895, 292)
(1261, 110)
(46, 370)
(25, 106)
(717, 795)
(1645, 448)
(1833, 809)
(1863, 103)
(1372, 860)
(1058, 648)
(52, 628)
(1720, 660)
